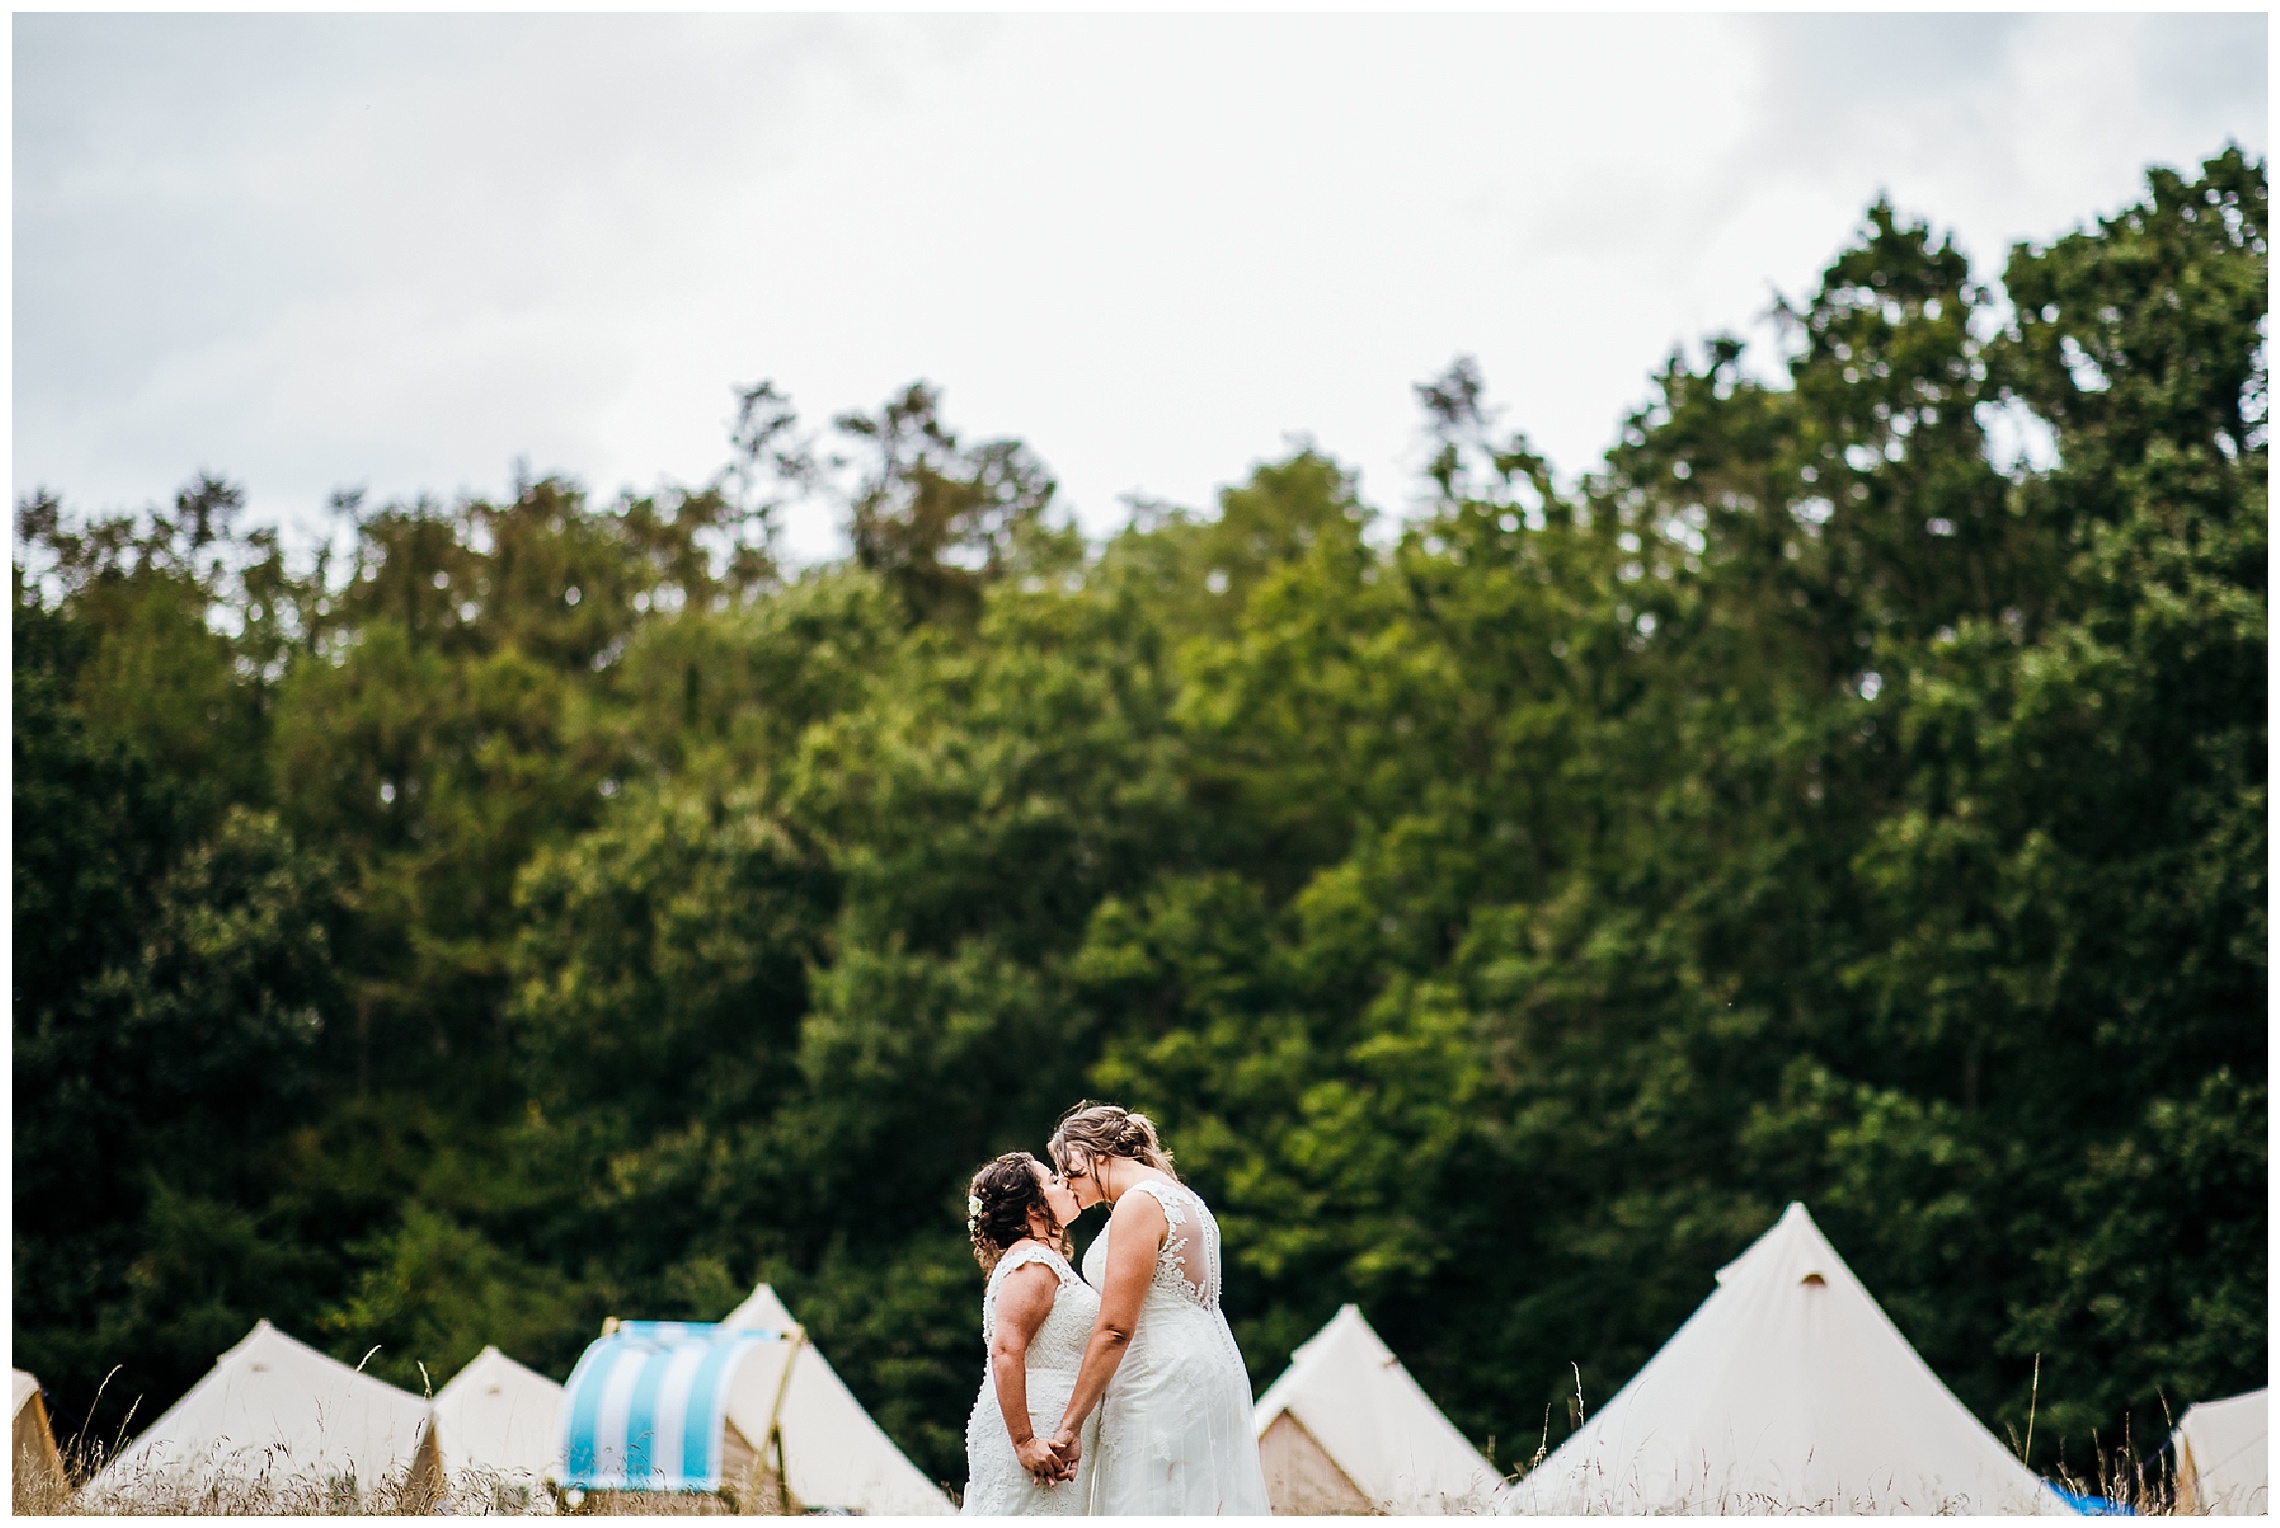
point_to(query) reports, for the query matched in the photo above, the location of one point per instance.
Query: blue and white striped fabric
(646, 1408)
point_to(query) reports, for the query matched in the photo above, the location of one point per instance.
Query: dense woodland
(549, 909)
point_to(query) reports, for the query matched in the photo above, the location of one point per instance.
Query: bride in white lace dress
(1175, 1435)
(1036, 1317)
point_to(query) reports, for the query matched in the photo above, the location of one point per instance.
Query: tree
(1505, 914)
(937, 519)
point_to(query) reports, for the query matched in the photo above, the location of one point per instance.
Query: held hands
(1067, 1450)
(1037, 1456)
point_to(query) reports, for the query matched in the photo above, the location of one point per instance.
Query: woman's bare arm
(1140, 1228)
(1024, 1300)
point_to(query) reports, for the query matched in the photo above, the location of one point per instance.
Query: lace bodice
(1059, 1342)
(1187, 1264)
(996, 1484)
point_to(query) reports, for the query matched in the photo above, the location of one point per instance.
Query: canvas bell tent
(835, 1455)
(747, 1409)
(1346, 1430)
(37, 1478)
(1788, 1390)
(2221, 1459)
(277, 1425)
(498, 1431)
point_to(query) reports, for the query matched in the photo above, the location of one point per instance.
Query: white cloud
(404, 251)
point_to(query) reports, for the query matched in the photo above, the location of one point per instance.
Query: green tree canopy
(550, 909)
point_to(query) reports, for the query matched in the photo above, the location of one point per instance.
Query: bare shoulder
(1032, 1286)
(1140, 1214)
(1036, 1275)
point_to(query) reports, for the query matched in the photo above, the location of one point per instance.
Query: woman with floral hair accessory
(1036, 1317)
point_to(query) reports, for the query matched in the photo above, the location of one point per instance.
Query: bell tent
(277, 1418)
(2221, 1461)
(834, 1454)
(498, 1429)
(37, 1480)
(1347, 1431)
(746, 1408)
(1787, 1390)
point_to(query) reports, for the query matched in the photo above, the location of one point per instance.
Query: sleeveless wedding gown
(996, 1484)
(1175, 1425)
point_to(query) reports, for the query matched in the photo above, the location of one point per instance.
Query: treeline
(557, 909)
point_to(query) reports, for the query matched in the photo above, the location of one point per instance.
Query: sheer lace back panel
(1176, 1434)
(1188, 1261)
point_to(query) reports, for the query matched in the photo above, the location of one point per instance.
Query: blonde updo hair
(1105, 1130)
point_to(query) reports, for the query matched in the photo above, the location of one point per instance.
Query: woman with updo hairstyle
(1104, 1130)
(1036, 1317)
(1174, 1433)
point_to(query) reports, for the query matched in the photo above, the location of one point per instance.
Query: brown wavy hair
(1008, 1190)
(1106, 1130)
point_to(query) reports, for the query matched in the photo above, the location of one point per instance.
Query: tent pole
(776, 1423)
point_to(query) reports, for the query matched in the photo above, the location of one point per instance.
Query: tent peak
(1347, 1428)
(1792, 1249)
(1349, 1319)
(1787, 1388)
(273, 1397)
(763, 1310)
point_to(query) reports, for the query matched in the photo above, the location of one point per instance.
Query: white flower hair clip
(973, 1208)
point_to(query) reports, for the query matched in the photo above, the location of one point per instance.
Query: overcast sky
(400, 252)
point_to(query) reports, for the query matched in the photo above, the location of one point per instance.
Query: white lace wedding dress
(1175, 1425)
(996, 1484)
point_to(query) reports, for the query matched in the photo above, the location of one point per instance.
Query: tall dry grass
(2144, 1488)
(268, 1483)
(261, 1483)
